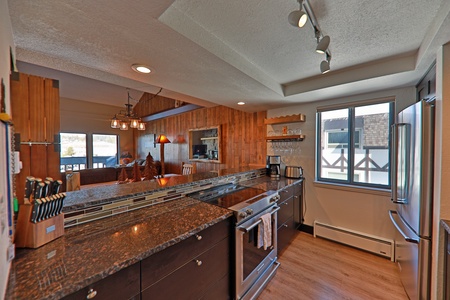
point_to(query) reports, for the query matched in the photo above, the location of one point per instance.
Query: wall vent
(373, 244)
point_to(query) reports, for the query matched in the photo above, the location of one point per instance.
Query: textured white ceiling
(228, 51)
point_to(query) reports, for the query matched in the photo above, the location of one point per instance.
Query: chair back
(188, 169)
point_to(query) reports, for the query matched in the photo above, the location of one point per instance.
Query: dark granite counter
(106, 194)
(92, 251)
(266, 183)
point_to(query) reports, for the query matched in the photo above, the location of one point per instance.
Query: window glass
(104, 150)
(334, 144)
(73, 151)
(354, 145)
(372, 160)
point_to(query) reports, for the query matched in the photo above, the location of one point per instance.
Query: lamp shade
(322, 46)
(298, 18)
(134, 123)
(141, 126)
(324, 66)
(162, 139)
(115, 123)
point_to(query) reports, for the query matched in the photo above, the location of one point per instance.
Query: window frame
(351, 122)
(90, 148)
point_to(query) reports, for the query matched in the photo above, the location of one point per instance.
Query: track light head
(298, 18)
(322, 46)
(325, 65)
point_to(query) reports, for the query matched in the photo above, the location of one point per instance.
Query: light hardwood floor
(318, 269)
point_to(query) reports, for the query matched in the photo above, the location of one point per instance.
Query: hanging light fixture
(298, 18)
(127, 118)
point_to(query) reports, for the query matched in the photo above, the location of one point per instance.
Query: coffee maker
(273, 163)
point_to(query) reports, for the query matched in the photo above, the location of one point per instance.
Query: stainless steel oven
(254, 265)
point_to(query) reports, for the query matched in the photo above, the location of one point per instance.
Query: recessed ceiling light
(241, 103)
(141, 68)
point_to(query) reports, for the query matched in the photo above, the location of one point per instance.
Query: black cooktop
(229, 195)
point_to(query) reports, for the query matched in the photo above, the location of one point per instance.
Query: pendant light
(127, 118)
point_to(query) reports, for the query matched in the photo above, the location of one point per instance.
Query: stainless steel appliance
(273, 163)
(254, 266)
(293, 172)
(412, 192)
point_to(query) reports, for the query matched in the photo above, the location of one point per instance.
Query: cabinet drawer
(192, 280)
(285, 234)
(219, 290)
(286, 211)
(124, 284)
(168, 260)
(286, 193)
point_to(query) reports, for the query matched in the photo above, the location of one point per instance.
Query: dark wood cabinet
(426, 88)
(199, 266)
(196, 268)
(124, 284)
(289, 215)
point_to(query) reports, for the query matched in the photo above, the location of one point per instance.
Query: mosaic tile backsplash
(92, 204)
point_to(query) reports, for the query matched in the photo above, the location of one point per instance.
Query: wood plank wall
(35, 113)
(243, 138)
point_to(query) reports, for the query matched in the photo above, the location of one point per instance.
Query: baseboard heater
(374, 244)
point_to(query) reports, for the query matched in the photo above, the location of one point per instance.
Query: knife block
(34, 235)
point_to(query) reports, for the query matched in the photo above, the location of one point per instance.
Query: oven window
(252, 256)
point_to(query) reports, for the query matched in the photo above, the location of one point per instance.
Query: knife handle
(35, 211)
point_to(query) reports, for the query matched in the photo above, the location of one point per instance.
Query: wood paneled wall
(243, 138)
(35, 113)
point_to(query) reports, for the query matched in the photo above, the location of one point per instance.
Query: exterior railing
(80, 162)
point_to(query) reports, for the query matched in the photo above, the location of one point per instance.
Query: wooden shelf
(298, 137)
(205, 160)
(285, 119)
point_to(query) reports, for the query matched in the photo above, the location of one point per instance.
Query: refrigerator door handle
(407, 238)
(400, 135)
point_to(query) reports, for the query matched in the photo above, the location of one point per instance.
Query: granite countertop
(267, 183)
(94, 196)
(92, 251)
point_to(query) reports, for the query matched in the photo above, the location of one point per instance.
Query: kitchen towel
(265, 231)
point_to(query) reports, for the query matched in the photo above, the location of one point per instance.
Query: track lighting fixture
(322, 45)
(325, 64)
(298, 18)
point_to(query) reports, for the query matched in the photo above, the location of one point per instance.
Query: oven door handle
(247, 229)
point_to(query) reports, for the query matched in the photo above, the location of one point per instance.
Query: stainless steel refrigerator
(412, 192)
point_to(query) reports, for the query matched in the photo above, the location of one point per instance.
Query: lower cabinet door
(124, 284)
(285, 233)
(194, 278)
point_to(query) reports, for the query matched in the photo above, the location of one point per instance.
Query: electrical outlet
(11, 252)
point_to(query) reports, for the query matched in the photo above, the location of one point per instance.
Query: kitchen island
(93, 251)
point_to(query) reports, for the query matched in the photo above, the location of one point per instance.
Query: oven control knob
(249, 211)
(242, 214)
(275, 198)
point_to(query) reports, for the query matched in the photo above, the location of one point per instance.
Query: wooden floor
(315, 268)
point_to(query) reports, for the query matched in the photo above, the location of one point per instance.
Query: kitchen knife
(45, 188)
(36, 207)
(53, 205)
(44, 209)
(50, 186)
(38, 190)
(56, 186)
(61, 202)
(29, 187)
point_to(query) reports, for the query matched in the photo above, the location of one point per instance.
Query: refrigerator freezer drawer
(412, 255)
